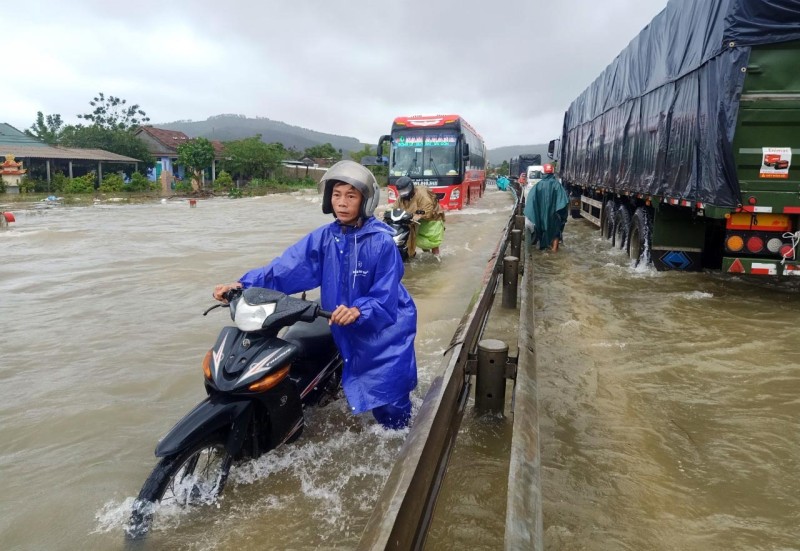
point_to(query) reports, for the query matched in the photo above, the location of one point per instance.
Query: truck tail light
(755, 244)
(734, 243)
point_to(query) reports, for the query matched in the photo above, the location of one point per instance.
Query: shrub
(183, 186)
(223, 181)
(58, 182)
(82, 184)
(28, 185)
(2, 185)
(139, 182)
(112, 183)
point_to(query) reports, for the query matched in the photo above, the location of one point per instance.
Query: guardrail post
(515, 239)
(490, 380)
(510, 278)
(519, 222)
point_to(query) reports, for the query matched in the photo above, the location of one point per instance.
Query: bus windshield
(426, 152)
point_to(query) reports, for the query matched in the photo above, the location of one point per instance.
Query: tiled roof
(171, 139)
(168, 138)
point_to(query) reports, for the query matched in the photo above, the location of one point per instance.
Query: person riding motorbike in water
(423, 204)
(356, 264)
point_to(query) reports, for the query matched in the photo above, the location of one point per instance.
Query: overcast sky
(347, 67)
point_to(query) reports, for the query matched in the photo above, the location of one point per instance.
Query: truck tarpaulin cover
(660, 119)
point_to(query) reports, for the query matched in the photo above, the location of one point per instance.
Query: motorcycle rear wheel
(194, 476)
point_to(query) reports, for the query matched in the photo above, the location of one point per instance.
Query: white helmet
(358, 176)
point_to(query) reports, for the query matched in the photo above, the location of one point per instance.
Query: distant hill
(497, 156)
(236, 127)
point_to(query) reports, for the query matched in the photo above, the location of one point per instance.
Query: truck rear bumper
(760, 266)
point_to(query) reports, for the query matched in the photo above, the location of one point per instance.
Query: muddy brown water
(101, 343)
(668, 402)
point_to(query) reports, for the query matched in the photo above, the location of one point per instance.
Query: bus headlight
(455, 194)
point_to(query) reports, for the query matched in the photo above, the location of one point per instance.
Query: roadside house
(163, 145)
(33, 152)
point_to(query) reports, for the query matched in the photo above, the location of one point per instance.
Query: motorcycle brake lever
(215, 306)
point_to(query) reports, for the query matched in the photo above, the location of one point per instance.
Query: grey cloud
(510, 67)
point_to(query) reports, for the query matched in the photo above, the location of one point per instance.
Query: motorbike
(400, 221)
(258, 380)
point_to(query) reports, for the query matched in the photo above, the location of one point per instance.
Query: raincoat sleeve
(562, 205)
(298, 269)
(379, 306)
(430, 204)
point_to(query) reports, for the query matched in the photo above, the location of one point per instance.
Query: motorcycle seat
(313, 339)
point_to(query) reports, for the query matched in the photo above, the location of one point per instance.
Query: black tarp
(660, 119)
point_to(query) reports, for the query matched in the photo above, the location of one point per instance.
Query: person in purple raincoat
(358, 268)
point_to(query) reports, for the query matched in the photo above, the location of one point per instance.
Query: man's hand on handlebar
(344, 315)
(221, 290)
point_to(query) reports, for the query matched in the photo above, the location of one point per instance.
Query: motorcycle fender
(208, 416)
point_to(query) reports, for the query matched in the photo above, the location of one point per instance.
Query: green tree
(366, 152)
(252, 158)
(324, 151)
(293, 153)
(122, 142)
(381, 172)
(47, 129)
(114, 113)
(503, 169)
(196, 155)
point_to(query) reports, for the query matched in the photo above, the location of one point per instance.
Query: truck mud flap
(673, 259)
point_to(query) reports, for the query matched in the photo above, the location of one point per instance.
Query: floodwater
(101, 343)
(669, 405)
(669, 411)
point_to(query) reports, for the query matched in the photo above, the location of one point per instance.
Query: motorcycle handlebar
(324, 313)
(231, 294)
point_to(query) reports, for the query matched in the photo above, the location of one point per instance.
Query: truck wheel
(641, 230)
(607, 220)
(622, 227)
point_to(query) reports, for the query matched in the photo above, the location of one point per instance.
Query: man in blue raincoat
(358, 268)
(546, 207)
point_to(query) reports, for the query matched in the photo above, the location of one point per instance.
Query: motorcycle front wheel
(194, 476)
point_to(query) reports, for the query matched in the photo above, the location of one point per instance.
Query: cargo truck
(519, 165)
(684, 150)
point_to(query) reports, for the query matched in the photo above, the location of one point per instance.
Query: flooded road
(669, 405)
(101, 345)
(668, 402)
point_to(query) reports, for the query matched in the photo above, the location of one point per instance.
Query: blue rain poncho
(362, 268)
(502, 183)
(546, 206)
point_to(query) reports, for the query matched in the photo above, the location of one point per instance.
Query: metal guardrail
(524, 502)
(403, 511)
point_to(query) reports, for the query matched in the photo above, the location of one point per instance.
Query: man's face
(346, 202)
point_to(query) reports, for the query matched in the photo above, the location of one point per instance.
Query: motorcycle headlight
(250, 317)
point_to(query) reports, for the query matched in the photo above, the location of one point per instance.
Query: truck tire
(639, 237)
(607, 220)
(622, 228)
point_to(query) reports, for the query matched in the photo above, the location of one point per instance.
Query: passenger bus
(442, 152)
